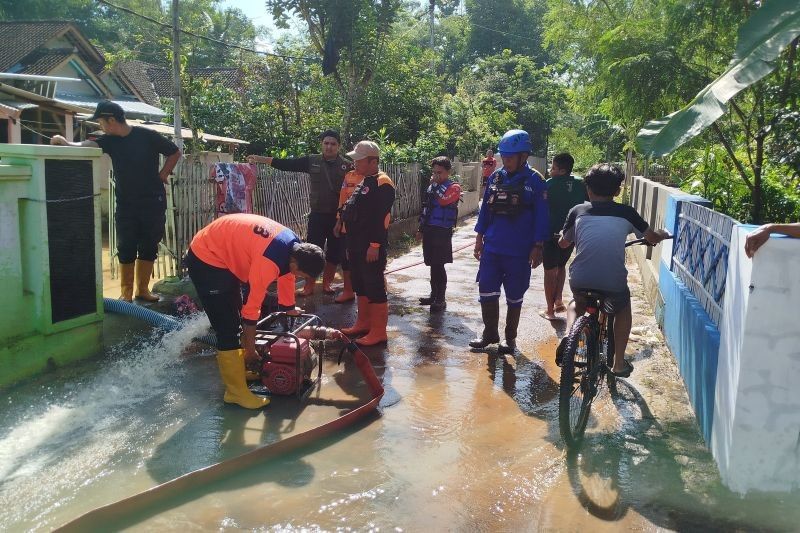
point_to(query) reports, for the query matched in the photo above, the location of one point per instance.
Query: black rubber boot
(491, 316)
(439, 304)
(512, 323)
(428, 300)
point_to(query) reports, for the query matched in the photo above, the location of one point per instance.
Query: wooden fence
(281, 196)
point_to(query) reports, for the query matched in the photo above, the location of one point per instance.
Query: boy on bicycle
(599, 229)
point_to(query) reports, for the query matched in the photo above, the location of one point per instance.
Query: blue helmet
(514, 142)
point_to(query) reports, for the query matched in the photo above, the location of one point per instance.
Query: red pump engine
(285, 365)
(287, 360)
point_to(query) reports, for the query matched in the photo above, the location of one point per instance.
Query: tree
(514, 83)
(349, 35)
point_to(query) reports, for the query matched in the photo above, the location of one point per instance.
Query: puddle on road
(465, 441)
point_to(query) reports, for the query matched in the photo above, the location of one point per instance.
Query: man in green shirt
(564, 191)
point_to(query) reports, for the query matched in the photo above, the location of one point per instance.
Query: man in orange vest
(231, 251)
(366, 215)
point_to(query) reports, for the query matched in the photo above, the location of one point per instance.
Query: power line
(498, 31)
(206, 38)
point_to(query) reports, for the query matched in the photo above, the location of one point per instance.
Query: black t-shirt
(136, 165)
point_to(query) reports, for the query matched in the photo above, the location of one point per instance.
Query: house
(155, 82)
(49, 72)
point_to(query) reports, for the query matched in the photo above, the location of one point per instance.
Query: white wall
(756, 431)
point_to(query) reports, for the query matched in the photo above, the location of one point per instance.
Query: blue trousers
(510, 271)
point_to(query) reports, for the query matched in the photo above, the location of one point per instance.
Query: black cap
(330, 133)
(107, 108)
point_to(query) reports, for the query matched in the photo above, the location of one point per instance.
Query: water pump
(287, 356)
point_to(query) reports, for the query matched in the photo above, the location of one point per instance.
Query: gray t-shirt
(599, 231)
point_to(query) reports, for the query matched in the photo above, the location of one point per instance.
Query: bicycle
(588, 355)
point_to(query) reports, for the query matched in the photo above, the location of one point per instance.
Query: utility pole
(176, 74)
(430, 11)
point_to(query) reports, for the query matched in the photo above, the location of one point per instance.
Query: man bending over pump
(237, 249)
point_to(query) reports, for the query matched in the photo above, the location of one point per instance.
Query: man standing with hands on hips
(139, 192)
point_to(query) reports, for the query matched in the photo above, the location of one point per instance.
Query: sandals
(560, 308)
(626, 373)
(553, 318)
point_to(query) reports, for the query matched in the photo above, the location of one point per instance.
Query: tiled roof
(151, 78)
(229, 77)
(136, 73)
(43, 61)
(21, 38)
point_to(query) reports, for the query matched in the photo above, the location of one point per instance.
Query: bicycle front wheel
(576, 391)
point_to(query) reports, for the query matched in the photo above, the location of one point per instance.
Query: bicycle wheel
(576, 391)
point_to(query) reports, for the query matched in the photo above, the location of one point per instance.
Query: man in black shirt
(140, 195)
(326, 172)
(366, 216)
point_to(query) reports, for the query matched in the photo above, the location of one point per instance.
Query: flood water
(462, 441)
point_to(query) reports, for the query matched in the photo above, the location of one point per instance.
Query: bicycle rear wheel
(576, 391)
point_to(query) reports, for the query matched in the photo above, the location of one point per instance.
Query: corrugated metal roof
(22, 106)
(169, 129)
(134, 108)
(27, 96)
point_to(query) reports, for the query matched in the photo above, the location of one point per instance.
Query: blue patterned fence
(700, 254)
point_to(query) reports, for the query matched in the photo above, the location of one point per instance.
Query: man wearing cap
(139, 190)
(326, 172)
(366, 215)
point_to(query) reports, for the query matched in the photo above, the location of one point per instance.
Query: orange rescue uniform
(256, 250)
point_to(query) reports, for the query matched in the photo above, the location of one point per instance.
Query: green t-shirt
(563, 193)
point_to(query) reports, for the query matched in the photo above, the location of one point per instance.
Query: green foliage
(566, 139)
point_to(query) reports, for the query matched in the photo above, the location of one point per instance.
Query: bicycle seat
(589, 295)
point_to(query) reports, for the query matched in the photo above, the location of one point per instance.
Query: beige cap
(363, 150)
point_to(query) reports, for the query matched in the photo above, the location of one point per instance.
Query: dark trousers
(320, 232)
(139, 230)
(368, 277)
(220, 293)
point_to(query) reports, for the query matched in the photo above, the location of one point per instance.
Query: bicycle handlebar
(644, 241)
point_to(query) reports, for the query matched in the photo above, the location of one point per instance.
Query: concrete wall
(741, 375)
(650, 200)
(756, 423)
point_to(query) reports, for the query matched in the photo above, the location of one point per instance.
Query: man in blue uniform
(512, 226)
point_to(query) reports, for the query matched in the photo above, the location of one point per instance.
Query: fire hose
(156, 496)
(392, 271)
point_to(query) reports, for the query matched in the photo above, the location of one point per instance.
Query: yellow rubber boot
(126, 273)
(231, 369)
(347, 294)
(362, 324)
(144, 269)
(379, 318)
(327, 277)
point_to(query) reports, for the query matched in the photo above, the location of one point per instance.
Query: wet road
(464, 441)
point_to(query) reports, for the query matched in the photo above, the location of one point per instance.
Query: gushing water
(59, 438)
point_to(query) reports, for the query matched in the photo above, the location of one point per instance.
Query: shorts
(553, 255)
(613, 301)
(437, 245)
(368, 278)
(511, 271)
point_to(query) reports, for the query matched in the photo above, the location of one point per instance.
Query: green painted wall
(30, 341)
